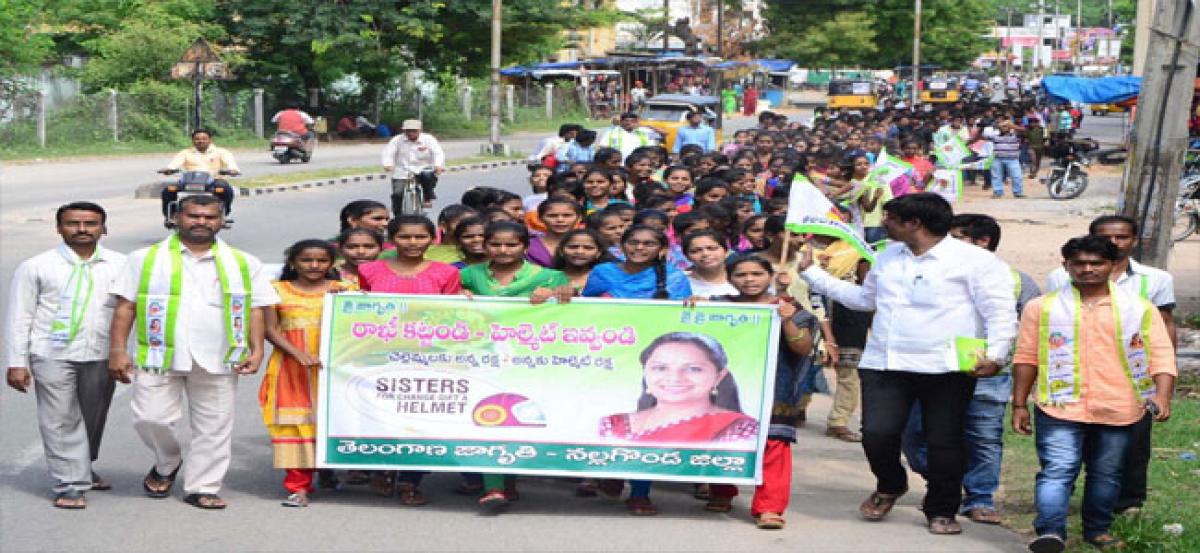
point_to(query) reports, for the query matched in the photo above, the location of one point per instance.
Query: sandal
(493, 500)
(1106, 541)
(587, 488)
(70, 499)
(208, 501)
(719, 504)
(769, 521)
(1047, 543)
(641, 507)
(944, 526)
(984, 515)
(878, 505)
(409, 495)
(611, 488)
(295, 500)
(157, 485)
(98, 484)
(844, 434)
(383, 483)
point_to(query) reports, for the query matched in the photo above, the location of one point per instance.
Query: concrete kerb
(154, 190)
(260, 190)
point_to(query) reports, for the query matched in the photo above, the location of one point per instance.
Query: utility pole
(666, 25)
(1078, 33)
(1008, 47)
(1160, 133)
(916, 65)
(1041, 33)
(494, 109)
(1057, 39)
(721, 28)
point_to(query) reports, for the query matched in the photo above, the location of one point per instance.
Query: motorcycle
(1068, 179)
(286, 146)
(1187, 209)
(192, 183)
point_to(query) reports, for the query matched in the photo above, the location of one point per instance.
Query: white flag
(810, 212)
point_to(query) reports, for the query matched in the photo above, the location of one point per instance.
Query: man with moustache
(57, 340)
(198, 308)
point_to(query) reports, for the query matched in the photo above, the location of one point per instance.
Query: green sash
(76, 295)
(1059, 345)
(160, 290)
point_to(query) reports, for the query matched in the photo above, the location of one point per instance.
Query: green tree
(951, 30)
(142, 47)
(846, 40)
(23, 47)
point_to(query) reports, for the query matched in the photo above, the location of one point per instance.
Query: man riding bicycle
(202, 156)
(413, 154)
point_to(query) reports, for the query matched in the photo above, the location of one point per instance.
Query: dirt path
(1035, 227)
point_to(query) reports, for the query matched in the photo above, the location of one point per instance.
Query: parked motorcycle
(1187, 209)
(192, 183)
(1068, 177)
(286, 146)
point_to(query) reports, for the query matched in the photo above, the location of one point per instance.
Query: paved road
(35, 184)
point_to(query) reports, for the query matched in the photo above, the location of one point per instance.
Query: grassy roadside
(29, 152)
(333, 172)
(1174, 484)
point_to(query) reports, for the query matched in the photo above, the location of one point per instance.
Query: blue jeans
(1011, 168)
(1062, 448)
(983, 433)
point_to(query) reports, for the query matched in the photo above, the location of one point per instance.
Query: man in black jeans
(930, 293)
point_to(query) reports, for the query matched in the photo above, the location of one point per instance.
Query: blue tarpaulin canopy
(1098, 90)
(775, 65)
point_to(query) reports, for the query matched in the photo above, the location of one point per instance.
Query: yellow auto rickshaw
(666, 113)
(853, 94)
(939, 90)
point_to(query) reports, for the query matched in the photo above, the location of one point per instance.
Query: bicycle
(410, 193)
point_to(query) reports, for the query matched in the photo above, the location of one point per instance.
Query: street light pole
(494, 108)
(916, 64)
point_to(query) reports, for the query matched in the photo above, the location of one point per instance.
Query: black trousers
(887, 398)
(1137, 462)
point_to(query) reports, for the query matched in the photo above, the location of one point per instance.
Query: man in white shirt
(199, 356)
(927, 290)
(58, 320)
(413, 152)
(206, 157)
(1156, 286)
(628, 136)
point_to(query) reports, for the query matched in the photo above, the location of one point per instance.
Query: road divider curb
(154, 190)
(260, 190)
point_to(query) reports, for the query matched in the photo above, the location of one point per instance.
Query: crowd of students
(708, 225)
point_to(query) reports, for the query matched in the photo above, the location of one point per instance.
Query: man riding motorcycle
(413, 153)
(292, 119)
(202, 156)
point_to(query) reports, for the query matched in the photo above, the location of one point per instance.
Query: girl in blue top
(642, 275)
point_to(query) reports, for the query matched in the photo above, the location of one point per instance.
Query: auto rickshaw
(666, 113)
(853, 94)
(939, 90)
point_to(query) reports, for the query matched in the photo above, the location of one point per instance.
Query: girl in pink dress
(407, 273)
